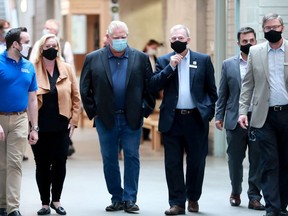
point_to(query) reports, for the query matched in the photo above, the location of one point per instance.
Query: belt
(278, 108)
(12, 113)
(185, 111)
(119, 111)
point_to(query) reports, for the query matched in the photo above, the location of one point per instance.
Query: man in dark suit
(233, 72)
(114, 90)
(187, 79)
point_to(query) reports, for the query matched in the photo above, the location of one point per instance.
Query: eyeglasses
(269, 28)
(181, 38)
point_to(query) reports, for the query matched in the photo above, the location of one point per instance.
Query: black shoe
(130, 206)
(256, 205)
(271, 214)
(235, 199)
(71, 150)
(115, 206)
(3, 212)
(44, 211)
(14, 213)
(175, 210)
(60, 210)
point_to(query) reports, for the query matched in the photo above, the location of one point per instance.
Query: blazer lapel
(42, 78)
(237, 70)
(131, 57)
(264, 56)
(192, 67)
(105, 61)
(62, 71)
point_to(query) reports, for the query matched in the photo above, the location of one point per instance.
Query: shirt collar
(281, 48)
(187, 56)
(10, 59)
(241, 59)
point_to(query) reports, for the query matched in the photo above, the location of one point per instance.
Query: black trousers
(238, 141)
(50, 154)
(189, 134)
(273, 139)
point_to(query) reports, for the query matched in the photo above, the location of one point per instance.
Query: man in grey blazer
(266, 86)
(233, 71)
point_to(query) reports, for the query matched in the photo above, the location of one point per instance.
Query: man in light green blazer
(266, 86)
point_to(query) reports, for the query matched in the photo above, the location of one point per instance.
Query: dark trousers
(273, 137)
(50, 154)
(238, 141)
(188, 134)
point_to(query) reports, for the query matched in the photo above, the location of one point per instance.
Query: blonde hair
(41, 42)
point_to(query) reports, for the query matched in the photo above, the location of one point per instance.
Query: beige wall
(231, 45)
(144, 20)
(210, 23)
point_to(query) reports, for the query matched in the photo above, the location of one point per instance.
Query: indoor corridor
(85, 193)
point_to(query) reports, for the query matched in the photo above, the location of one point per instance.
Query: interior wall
(144, 21)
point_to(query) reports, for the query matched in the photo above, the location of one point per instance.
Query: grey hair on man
(116, 24)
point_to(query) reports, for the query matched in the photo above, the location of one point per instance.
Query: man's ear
(15, 44)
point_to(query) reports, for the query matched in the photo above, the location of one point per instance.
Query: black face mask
(50, 53)
(179, 46)
(245, 48)
(273, 36)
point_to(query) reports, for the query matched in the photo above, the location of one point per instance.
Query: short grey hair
(271, 16)
(177, 27)
(116, 24)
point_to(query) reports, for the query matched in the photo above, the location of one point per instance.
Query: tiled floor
(85, 191)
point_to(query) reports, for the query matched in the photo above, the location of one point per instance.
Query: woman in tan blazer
(59, 109)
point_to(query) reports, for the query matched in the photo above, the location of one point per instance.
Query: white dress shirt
(184, 98)
(278, 92)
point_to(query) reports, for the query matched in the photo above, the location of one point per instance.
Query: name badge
(194, 64)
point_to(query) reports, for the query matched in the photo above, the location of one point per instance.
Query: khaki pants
(12, 150)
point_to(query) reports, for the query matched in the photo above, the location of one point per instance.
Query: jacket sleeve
(149, 96)
(163, 74)
(222, 95)
(76, 103)
(86, 90)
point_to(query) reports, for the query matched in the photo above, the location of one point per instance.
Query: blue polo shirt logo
(24, 70)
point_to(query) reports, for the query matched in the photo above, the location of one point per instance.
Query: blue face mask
(119, 44)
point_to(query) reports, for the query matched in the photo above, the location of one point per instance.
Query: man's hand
(219, 124)
(243, 121)
(33, 137)
(175, 60)
(2, 135)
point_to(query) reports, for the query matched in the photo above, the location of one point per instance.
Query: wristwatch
(35, 128)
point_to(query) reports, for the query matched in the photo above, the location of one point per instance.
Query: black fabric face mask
(179, 46)
(245, 48)
(50, 53)
(273, 36)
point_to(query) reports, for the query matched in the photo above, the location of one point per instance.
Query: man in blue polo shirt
(17, 97)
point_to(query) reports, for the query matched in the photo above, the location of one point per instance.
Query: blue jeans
(122, 134)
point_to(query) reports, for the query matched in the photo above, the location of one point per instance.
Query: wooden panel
(90, 6)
